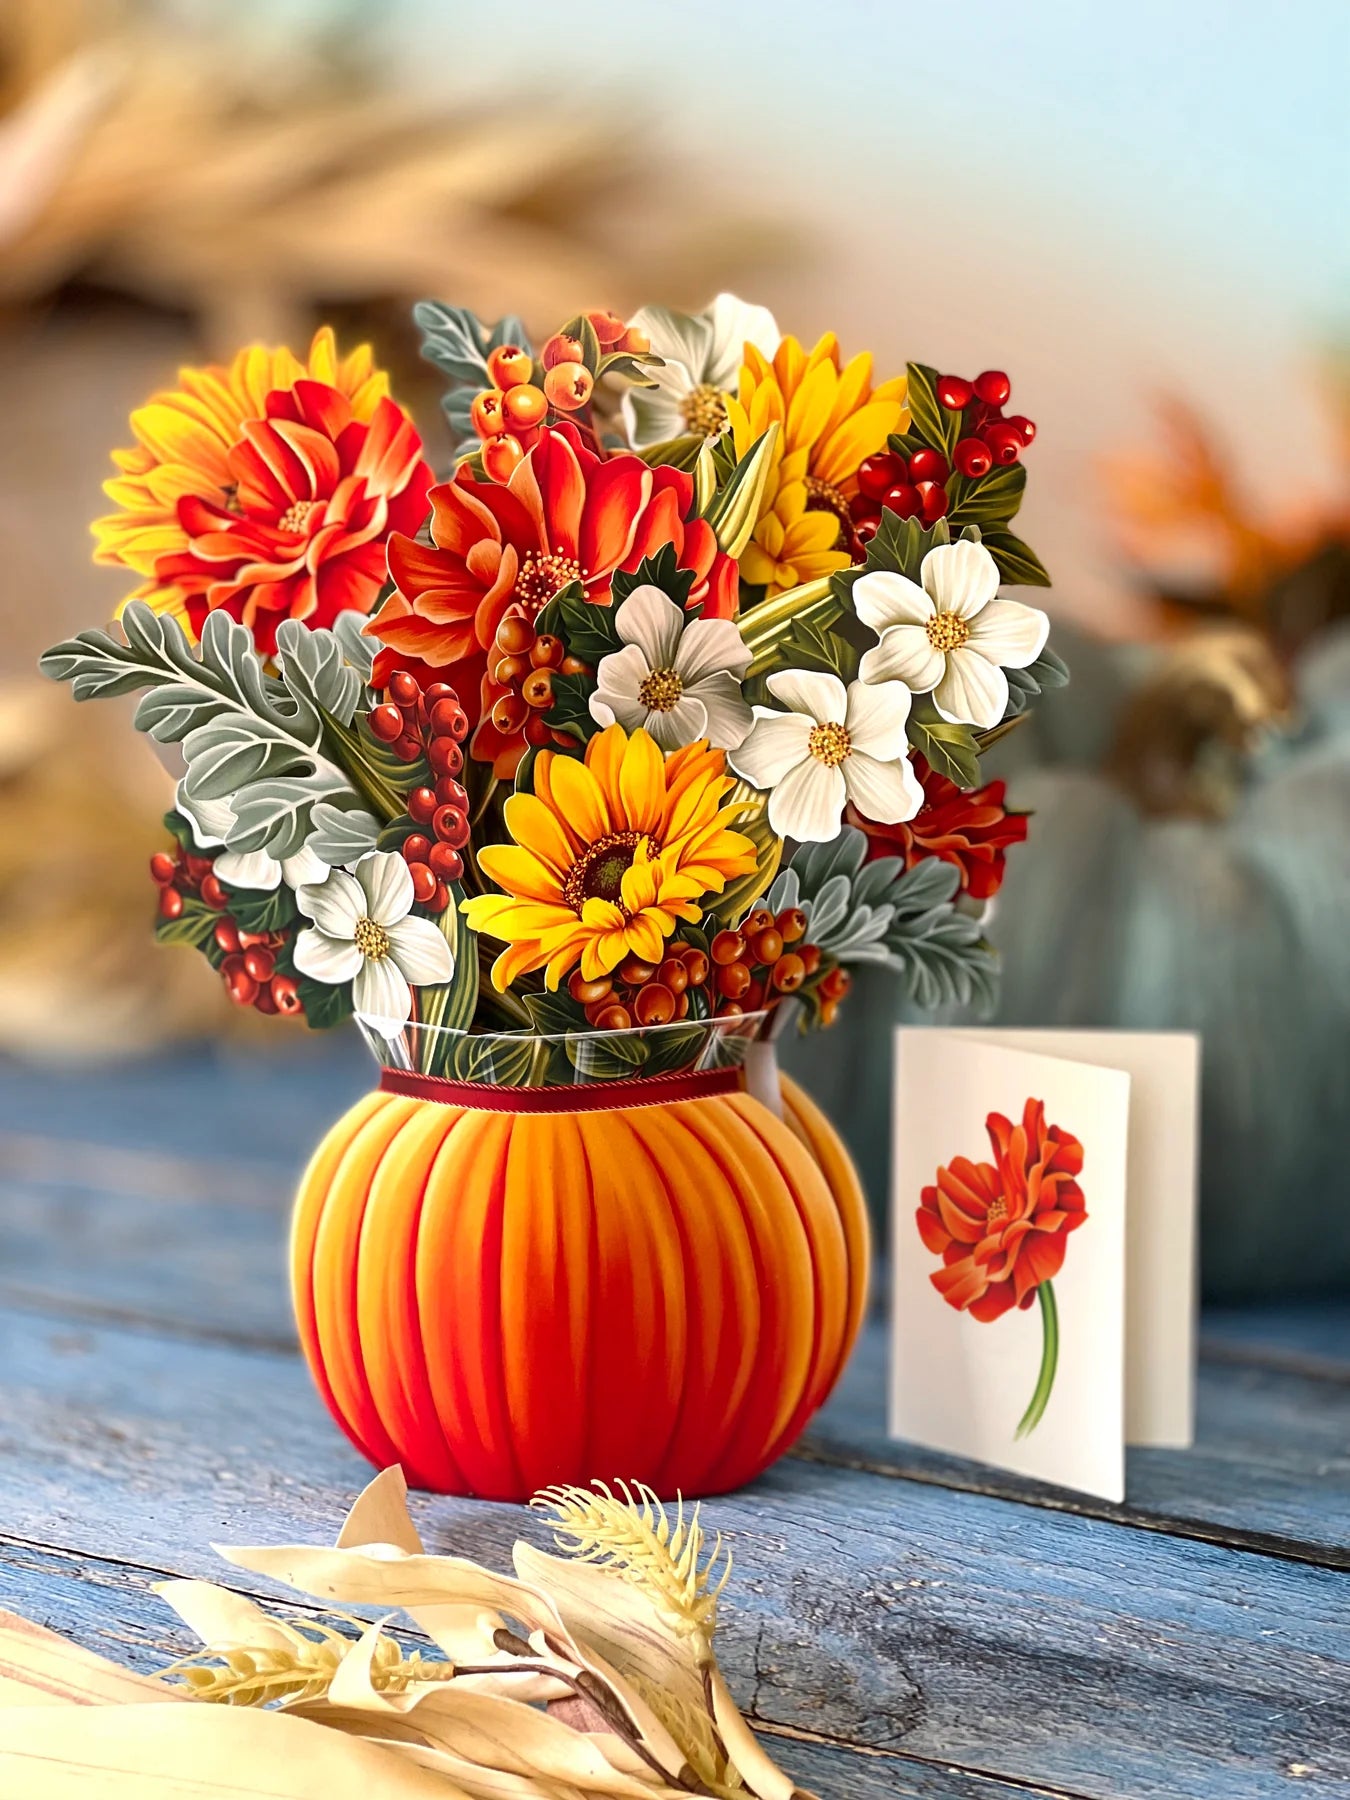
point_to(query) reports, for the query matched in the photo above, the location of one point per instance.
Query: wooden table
(898, 1623)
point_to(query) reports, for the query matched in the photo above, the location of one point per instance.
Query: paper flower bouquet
(576, 777)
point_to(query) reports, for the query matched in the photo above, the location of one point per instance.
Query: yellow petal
(838, 457)
(520, 872)
(578, 799)
(537, 827)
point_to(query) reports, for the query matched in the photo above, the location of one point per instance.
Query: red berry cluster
(249, 965)
(987, 437)
(643, 993)
(914, 486)
(436, 725)
(755, 967)
(523, 396)
(525, 661)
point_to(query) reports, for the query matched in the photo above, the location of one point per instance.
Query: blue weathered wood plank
(108, 1606)
(959, 1628)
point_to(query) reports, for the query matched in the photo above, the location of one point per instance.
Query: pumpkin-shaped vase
(503, 1287)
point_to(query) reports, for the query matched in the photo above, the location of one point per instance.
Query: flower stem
(1031, 1418)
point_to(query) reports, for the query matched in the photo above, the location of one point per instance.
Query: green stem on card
(1031, 1418)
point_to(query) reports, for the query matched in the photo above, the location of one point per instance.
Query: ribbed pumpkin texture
(500, 1301)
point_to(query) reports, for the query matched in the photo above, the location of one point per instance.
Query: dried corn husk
(590, 1674)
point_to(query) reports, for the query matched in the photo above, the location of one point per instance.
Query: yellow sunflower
(183, 439)
(608, 855)
(831, 418)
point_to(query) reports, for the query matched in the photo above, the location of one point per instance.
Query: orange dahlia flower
(970, 829)
(565, 515)
(1000, 1228)
(183, 440)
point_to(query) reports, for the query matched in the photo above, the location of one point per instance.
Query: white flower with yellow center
(834, 744)
(678, 679)
(701, 358)
(950, 637)
(362, 933)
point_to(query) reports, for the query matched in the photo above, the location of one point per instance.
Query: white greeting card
(1043, 1247)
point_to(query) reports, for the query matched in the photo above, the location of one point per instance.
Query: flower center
(823, 496)
(372, 940)
(829, 744)
(296, 517)
(946, 631)
(542, 575)
(705, 410)
(998, 1211)
(598, 873)
(660, 691)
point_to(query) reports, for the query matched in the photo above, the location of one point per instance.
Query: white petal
(734, 325)
(618, 709)
(334, 904)
(420, 950)
(809, 803)
(972, 692)
(729, 717)
(673, 379)
(818, 695)
(685, 723)
(885, 598)
(876, 718)
(776, 744)
(652, 621)
(1009, 634)
(381, 997)
(960, 577)
(322, 958)
(621, 673)
(256, 869)
(387, 882)
(303, 867)
(678, 337)
(707, 647)
(884, 791)
(904, 654)
(651, 417)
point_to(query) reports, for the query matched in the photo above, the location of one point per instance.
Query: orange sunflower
(831, 418)
(184, 439)
(608, 856)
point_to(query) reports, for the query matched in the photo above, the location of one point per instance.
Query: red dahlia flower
(565, 515)
(971, 829)
(300, 532)
(1000, 1230)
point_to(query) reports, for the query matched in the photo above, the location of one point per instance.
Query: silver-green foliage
(879, 912)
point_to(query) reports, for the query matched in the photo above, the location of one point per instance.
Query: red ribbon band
(587, 1096)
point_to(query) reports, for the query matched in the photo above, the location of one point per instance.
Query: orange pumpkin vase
(662, 1291)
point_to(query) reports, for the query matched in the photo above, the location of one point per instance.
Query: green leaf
(195, 925)
(450, 1007)
(1018, 563)
(583, 331)
(658, 571)
(899, 546)
(458, 342)
(936, 425)
(325, 1005)
(493, 1058)
(585, 626)
(629, 364)
(950, 749)
(275, 815)
(1048, 671)
(745, 811)
(571, 711)
(262, 909)
(314, 667)
(994, 499)
(735, 507)
(342, 830)
(674, 453)
(674, 1047)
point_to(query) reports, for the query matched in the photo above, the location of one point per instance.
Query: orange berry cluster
(525, 395)
(523, 667)
(643, 993)
(757, 964)
(249, 958)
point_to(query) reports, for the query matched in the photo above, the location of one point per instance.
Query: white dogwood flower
(677, 678)
(702, 357)
(834, 744)
(211, 821)
(949, 637)
(362, 933)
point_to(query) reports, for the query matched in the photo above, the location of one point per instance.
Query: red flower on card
(565, 515)
(970, 828)
(1001, 1227)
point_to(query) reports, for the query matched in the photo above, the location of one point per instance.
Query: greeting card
(1043, 1233)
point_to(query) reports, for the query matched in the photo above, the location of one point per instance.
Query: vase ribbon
(593, 1096)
